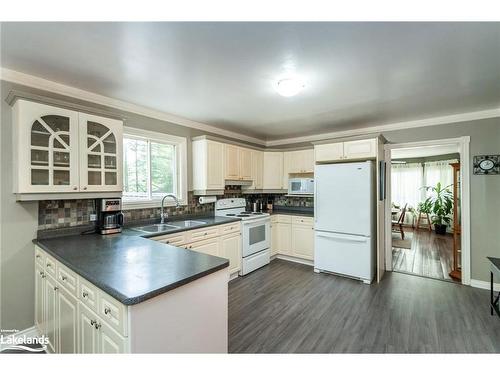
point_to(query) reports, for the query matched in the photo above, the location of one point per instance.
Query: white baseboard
(484, 285)
(28, 332)
(294, 259)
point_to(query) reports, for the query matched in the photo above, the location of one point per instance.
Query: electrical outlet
(93, 217)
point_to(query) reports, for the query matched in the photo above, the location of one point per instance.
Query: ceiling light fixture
(289, 86)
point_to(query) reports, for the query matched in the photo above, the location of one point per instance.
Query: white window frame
(180, 144)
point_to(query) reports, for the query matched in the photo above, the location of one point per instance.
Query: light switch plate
(93, 217)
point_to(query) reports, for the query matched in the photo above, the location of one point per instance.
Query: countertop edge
(129, 301)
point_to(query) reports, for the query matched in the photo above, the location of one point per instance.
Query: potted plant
(439, 205)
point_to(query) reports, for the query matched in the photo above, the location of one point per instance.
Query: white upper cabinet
(238, 163)
(60, 151)
(299, 161)
(351, 150)
(273, 171)
(46, 141)
(100, 153)
(257, 169)
(208, 165)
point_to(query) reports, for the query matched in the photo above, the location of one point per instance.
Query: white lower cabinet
(230, 248)
(66, 322)
(50, 312)
(219, 240)
(96, 336)
(292, 236)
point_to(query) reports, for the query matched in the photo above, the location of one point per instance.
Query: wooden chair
(397, 225)
(422, 216)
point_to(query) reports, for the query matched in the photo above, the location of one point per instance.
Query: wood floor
(286, 308)
(431, 255)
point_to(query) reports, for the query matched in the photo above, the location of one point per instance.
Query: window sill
(135, 205)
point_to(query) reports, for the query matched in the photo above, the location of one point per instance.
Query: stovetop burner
(242, 215)
(230, 214)
(257, 213)
(246, 212)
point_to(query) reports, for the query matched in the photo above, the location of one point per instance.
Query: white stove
(256, 232)
(235, 207)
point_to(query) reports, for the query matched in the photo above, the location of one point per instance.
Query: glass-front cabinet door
(47, 141)
(100, 153)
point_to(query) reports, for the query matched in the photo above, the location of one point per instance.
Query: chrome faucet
(163, 214)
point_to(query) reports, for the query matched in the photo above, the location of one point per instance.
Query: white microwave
(302, 186)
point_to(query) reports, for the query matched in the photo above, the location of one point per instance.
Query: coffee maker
(109, 216)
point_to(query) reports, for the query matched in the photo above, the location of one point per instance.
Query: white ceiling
(423, 151)
(222, 74)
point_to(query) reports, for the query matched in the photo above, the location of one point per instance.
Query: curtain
(406, 181)
(438, 171)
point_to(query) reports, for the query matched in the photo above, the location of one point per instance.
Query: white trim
(294, 259)
(484, 285)
(463, 144)
(61, 89)
(181, 159)
(431, 121)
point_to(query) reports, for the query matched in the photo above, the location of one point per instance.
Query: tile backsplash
(71, 213)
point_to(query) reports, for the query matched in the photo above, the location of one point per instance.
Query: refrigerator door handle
(342, 237)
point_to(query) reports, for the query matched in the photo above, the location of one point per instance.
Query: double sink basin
(157, 228)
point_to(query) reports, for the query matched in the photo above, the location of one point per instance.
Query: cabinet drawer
(67, 279)
(229, 228)
(113, 312)
(285, 219)
(302, 220)
(39, 257)
(88, 294)
(176, 239)
(201, 234)
(50, 266)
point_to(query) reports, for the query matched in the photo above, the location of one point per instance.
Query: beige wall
(19, 220)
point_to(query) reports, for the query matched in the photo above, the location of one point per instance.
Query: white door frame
(463, 147)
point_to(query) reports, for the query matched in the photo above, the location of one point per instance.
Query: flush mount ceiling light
(289, 86)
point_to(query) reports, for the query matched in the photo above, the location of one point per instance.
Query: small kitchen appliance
(255, 229)
(109, 216)
(301, 186)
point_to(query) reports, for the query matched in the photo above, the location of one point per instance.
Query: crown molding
(24, 79)
(431, 121)
(61, 89)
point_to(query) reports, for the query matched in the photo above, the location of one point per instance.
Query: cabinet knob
(37, 256)
(49, 265)
(84, 188)
(205, 233)
(98, 325)
(92, 322)
(85, 294)
(107, 310)
(56, 288)
(75, 188)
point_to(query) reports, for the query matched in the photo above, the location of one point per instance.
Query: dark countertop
(495, 261)
(299, 211)
(132, 268)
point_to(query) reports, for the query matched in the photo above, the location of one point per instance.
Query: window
(154, 164)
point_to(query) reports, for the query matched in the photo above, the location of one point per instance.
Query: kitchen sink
(190, 223)
(156, 228)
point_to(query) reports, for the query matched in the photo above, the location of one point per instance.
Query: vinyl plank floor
(287, 308)
(430, 255)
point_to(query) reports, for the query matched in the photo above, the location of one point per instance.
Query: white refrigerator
(344, 228)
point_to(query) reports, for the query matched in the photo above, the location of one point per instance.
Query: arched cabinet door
(47, 148)
(100, 153)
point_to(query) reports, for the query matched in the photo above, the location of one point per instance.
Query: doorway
(427, 208)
